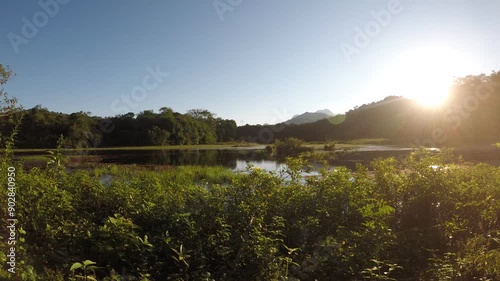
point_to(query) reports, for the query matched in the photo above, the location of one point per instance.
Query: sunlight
(425, 75)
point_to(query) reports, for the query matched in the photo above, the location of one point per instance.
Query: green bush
(289, 147)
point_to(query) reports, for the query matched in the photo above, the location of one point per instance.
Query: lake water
(238, 159)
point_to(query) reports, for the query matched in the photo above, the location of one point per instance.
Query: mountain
(309, 117)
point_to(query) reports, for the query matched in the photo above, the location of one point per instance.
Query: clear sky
(254, 61)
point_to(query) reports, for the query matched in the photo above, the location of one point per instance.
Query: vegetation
(288, 147)
(41, 128)
(425, 218)
(330, 145)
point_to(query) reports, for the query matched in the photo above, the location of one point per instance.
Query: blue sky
(261, 61)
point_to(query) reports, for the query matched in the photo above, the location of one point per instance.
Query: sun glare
(425, 75)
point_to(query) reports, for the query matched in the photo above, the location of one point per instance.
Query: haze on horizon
(251, 61)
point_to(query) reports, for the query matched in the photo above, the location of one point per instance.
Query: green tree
(158, 136)
(7, 105)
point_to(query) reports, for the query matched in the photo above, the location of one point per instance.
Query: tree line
(40, 128)
(470, 115)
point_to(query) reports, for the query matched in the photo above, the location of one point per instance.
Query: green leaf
(22, 231)
(88, 262)
(76, 266)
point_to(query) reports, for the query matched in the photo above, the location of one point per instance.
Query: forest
(40, 128)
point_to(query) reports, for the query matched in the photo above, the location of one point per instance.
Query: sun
(424, 74)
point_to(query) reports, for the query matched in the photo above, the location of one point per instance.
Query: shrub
(330, 145)
(289, 147)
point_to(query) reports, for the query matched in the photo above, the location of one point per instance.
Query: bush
(289, 147)
(330, 145)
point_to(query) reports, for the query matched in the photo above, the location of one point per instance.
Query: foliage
(158, 136)
(40, 128)
(424, 218)
(330, 145)
(7, 105)
(56, 159)
(380, 271)
(87, 267)
(289, 147)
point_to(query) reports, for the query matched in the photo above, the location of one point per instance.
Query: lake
(239, 158)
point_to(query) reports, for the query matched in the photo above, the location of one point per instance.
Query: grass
(368, 141)
(43, 157)
(170, 174)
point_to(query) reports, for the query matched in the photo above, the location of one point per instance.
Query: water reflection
(238, 159)
(233, 159)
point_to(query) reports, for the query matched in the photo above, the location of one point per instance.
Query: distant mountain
(309, 117)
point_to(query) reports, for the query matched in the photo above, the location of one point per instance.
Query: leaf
(22, 231)
(145, 241)
(93, 267)
(88, 262)
(76, 266)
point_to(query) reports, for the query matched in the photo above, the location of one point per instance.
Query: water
(235, 159)
(230, 158)
(238, 159)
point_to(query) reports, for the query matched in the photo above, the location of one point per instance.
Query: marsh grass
(170, 174)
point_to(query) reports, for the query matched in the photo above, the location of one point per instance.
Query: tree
(81, 133)
(7, 105)
(225, 130)
(167, 111)
(201, 114)
(158, 136)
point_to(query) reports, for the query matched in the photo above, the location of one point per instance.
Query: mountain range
(309, 117)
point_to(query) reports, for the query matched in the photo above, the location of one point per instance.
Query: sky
(254, 61)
